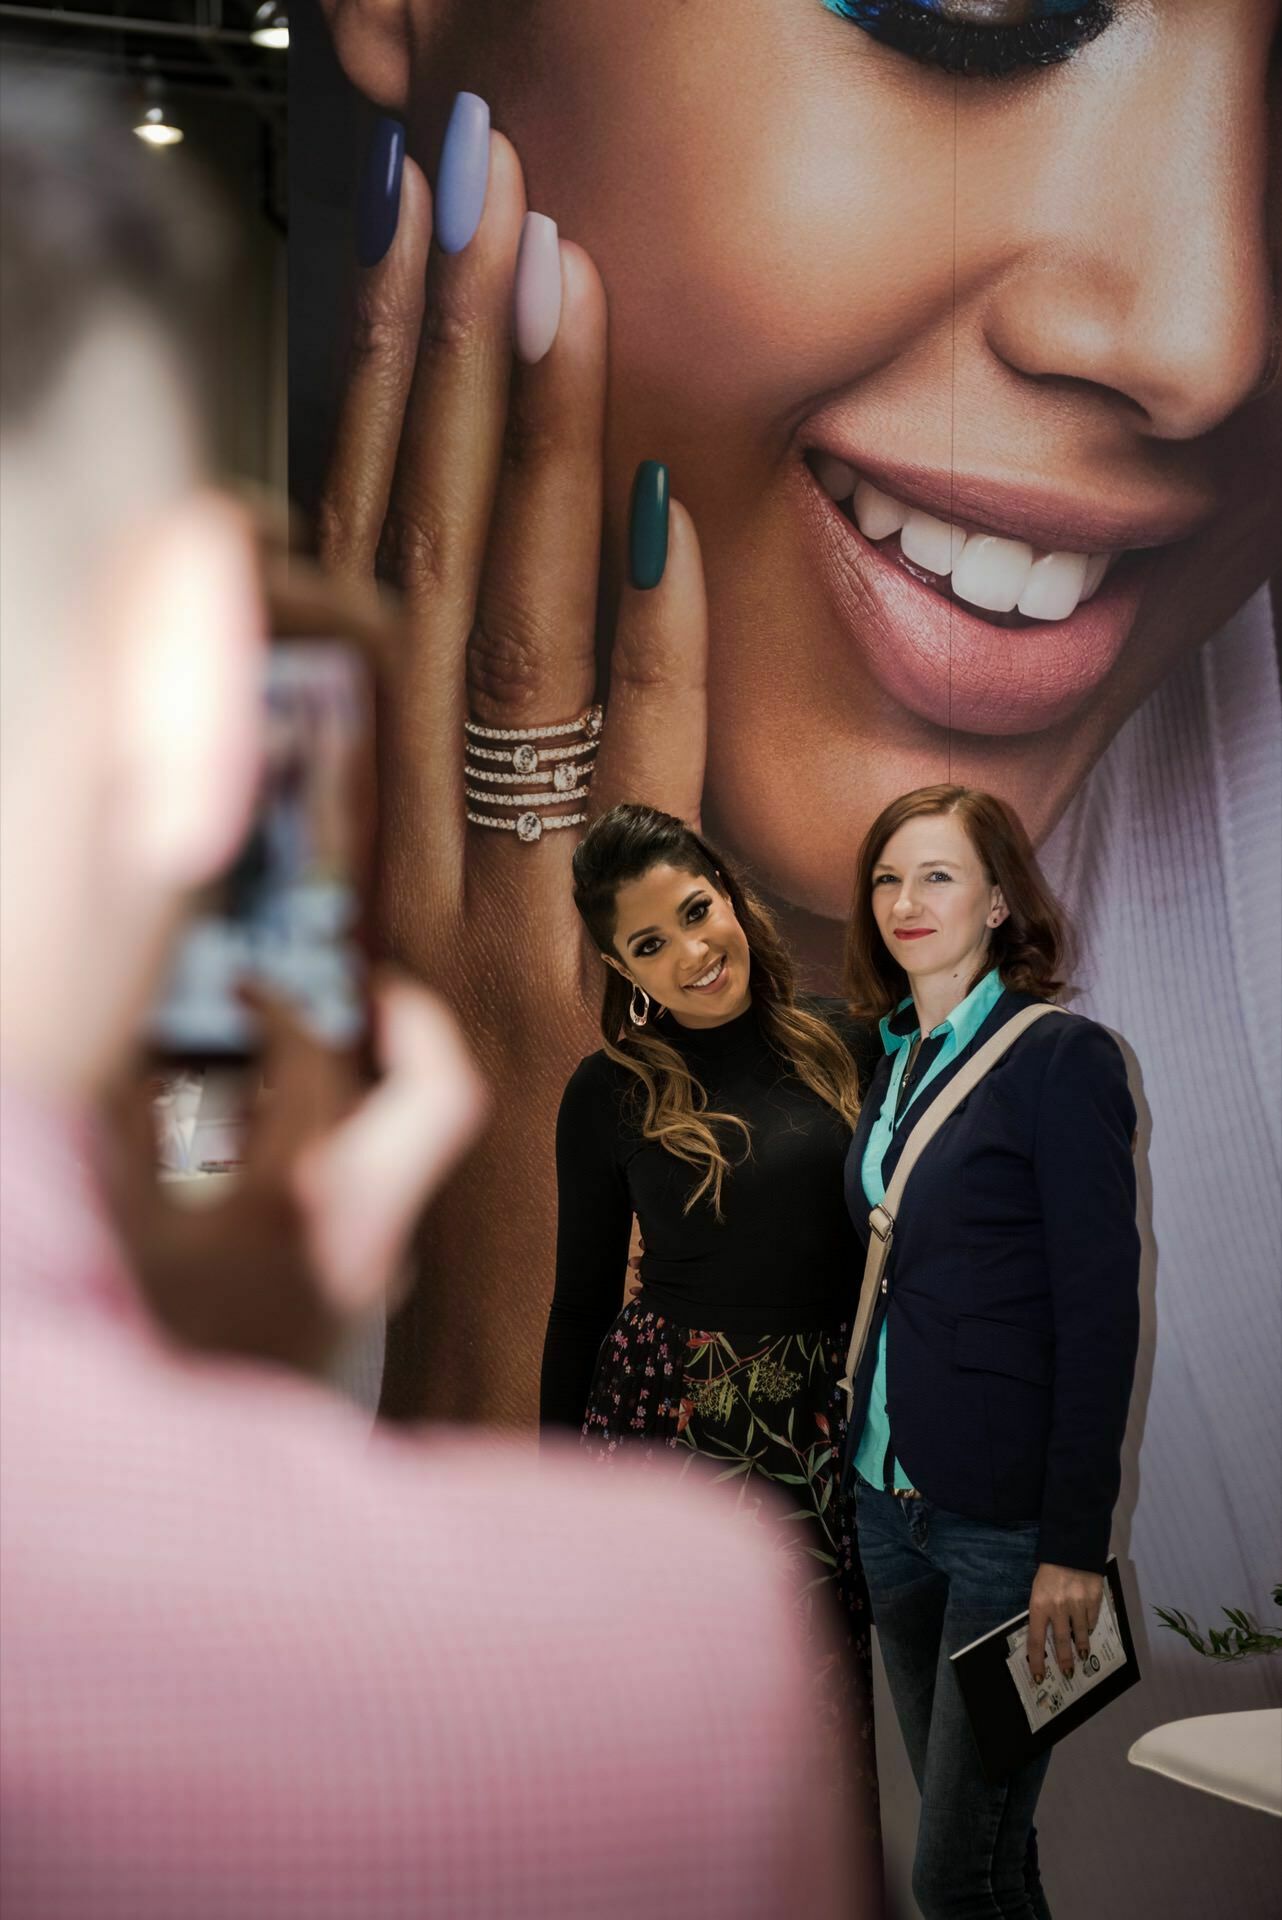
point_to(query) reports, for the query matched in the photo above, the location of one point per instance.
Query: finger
(1038, 1622)
(309, 1085)
(654, 743)
(127, 1146)
(531, 653)
(305, 603)
(1062, 1630)
(388, 314)
(442, 494)
(362, 1188)
(1081, 1624)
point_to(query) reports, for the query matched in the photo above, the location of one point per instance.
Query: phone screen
(289, 914)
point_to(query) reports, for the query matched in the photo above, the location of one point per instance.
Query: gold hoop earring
(639, 1019)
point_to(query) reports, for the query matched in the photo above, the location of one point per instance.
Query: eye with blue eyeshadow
(980, 39)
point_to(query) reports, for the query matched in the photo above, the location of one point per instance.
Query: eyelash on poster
(923, 30)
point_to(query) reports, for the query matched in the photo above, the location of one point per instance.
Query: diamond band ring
(590, 722)
(561, 778)
(524, 799)
(529, 756)
(552, 775)
(529, 827)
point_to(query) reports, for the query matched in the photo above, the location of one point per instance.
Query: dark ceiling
(194, 45)
(219, 85)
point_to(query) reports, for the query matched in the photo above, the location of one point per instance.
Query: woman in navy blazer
(991, 1401)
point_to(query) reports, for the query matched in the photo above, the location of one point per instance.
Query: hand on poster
(472, 478)
(313, 1229)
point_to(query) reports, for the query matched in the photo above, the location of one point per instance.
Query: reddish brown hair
(1031, 947)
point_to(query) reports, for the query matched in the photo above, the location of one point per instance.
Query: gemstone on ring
(593, 720)
(525, 759)
(565, 777)
(529, 827)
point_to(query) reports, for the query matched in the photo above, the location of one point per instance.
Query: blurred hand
(314, 1231)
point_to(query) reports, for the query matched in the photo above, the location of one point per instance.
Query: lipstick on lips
(716, 984)
(988, 632)
(912, 933)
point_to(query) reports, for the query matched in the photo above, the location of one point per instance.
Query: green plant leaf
(1240, 1640)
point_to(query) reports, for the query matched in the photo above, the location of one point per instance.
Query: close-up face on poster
(954, 328)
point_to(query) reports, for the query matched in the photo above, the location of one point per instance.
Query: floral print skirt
(766, 1418)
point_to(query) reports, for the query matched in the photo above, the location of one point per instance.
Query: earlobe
(372, 41)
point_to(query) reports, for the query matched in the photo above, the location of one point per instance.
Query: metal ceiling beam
(197, 77)
(121, 23)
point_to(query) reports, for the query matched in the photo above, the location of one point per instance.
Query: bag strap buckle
(882, 1223)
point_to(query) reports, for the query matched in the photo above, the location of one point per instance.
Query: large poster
(956, 327)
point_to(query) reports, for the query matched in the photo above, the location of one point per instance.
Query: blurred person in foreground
(251, 1663)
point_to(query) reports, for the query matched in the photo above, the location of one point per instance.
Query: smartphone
(291, 911)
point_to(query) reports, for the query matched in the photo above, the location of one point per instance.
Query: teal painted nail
(648, 525)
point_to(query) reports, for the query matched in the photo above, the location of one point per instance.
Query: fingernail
(462, 175)
(648, 525)
(378, 199)
(536, 306)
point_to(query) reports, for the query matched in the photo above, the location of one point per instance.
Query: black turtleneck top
(784, 1256)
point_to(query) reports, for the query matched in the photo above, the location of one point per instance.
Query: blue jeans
(938, 1581)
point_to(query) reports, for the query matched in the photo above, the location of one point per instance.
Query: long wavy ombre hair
(623, 845)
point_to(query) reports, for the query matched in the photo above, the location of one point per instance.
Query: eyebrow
(643, 932)
(888, 866)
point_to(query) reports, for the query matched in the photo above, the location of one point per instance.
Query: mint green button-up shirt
(956, 1034)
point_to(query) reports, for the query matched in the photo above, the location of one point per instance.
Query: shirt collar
(899, 1028)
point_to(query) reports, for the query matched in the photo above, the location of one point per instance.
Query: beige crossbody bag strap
(882, 1219)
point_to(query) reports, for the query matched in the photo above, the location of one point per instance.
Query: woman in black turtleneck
(719, 1113)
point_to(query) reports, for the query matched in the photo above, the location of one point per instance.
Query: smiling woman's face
(678, 938)
(1032, 314)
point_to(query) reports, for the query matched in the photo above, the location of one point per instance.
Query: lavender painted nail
(463, 173)
(536, 306)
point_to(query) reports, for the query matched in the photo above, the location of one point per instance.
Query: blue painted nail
(378, 200)
(463, 173)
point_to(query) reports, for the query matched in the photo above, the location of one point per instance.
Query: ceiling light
(157, 129)
(271, 25)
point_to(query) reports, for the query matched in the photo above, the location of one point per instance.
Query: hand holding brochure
(1056, 1691)
(1014, 1718)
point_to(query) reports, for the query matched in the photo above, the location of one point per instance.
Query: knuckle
(416, 548)
(529, 441)
(380, 330)
(333, 529)
(649, 663)
(449, 330)
(636, 672)
(504, 662)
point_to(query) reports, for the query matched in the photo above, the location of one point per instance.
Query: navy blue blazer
(1012, 1295)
